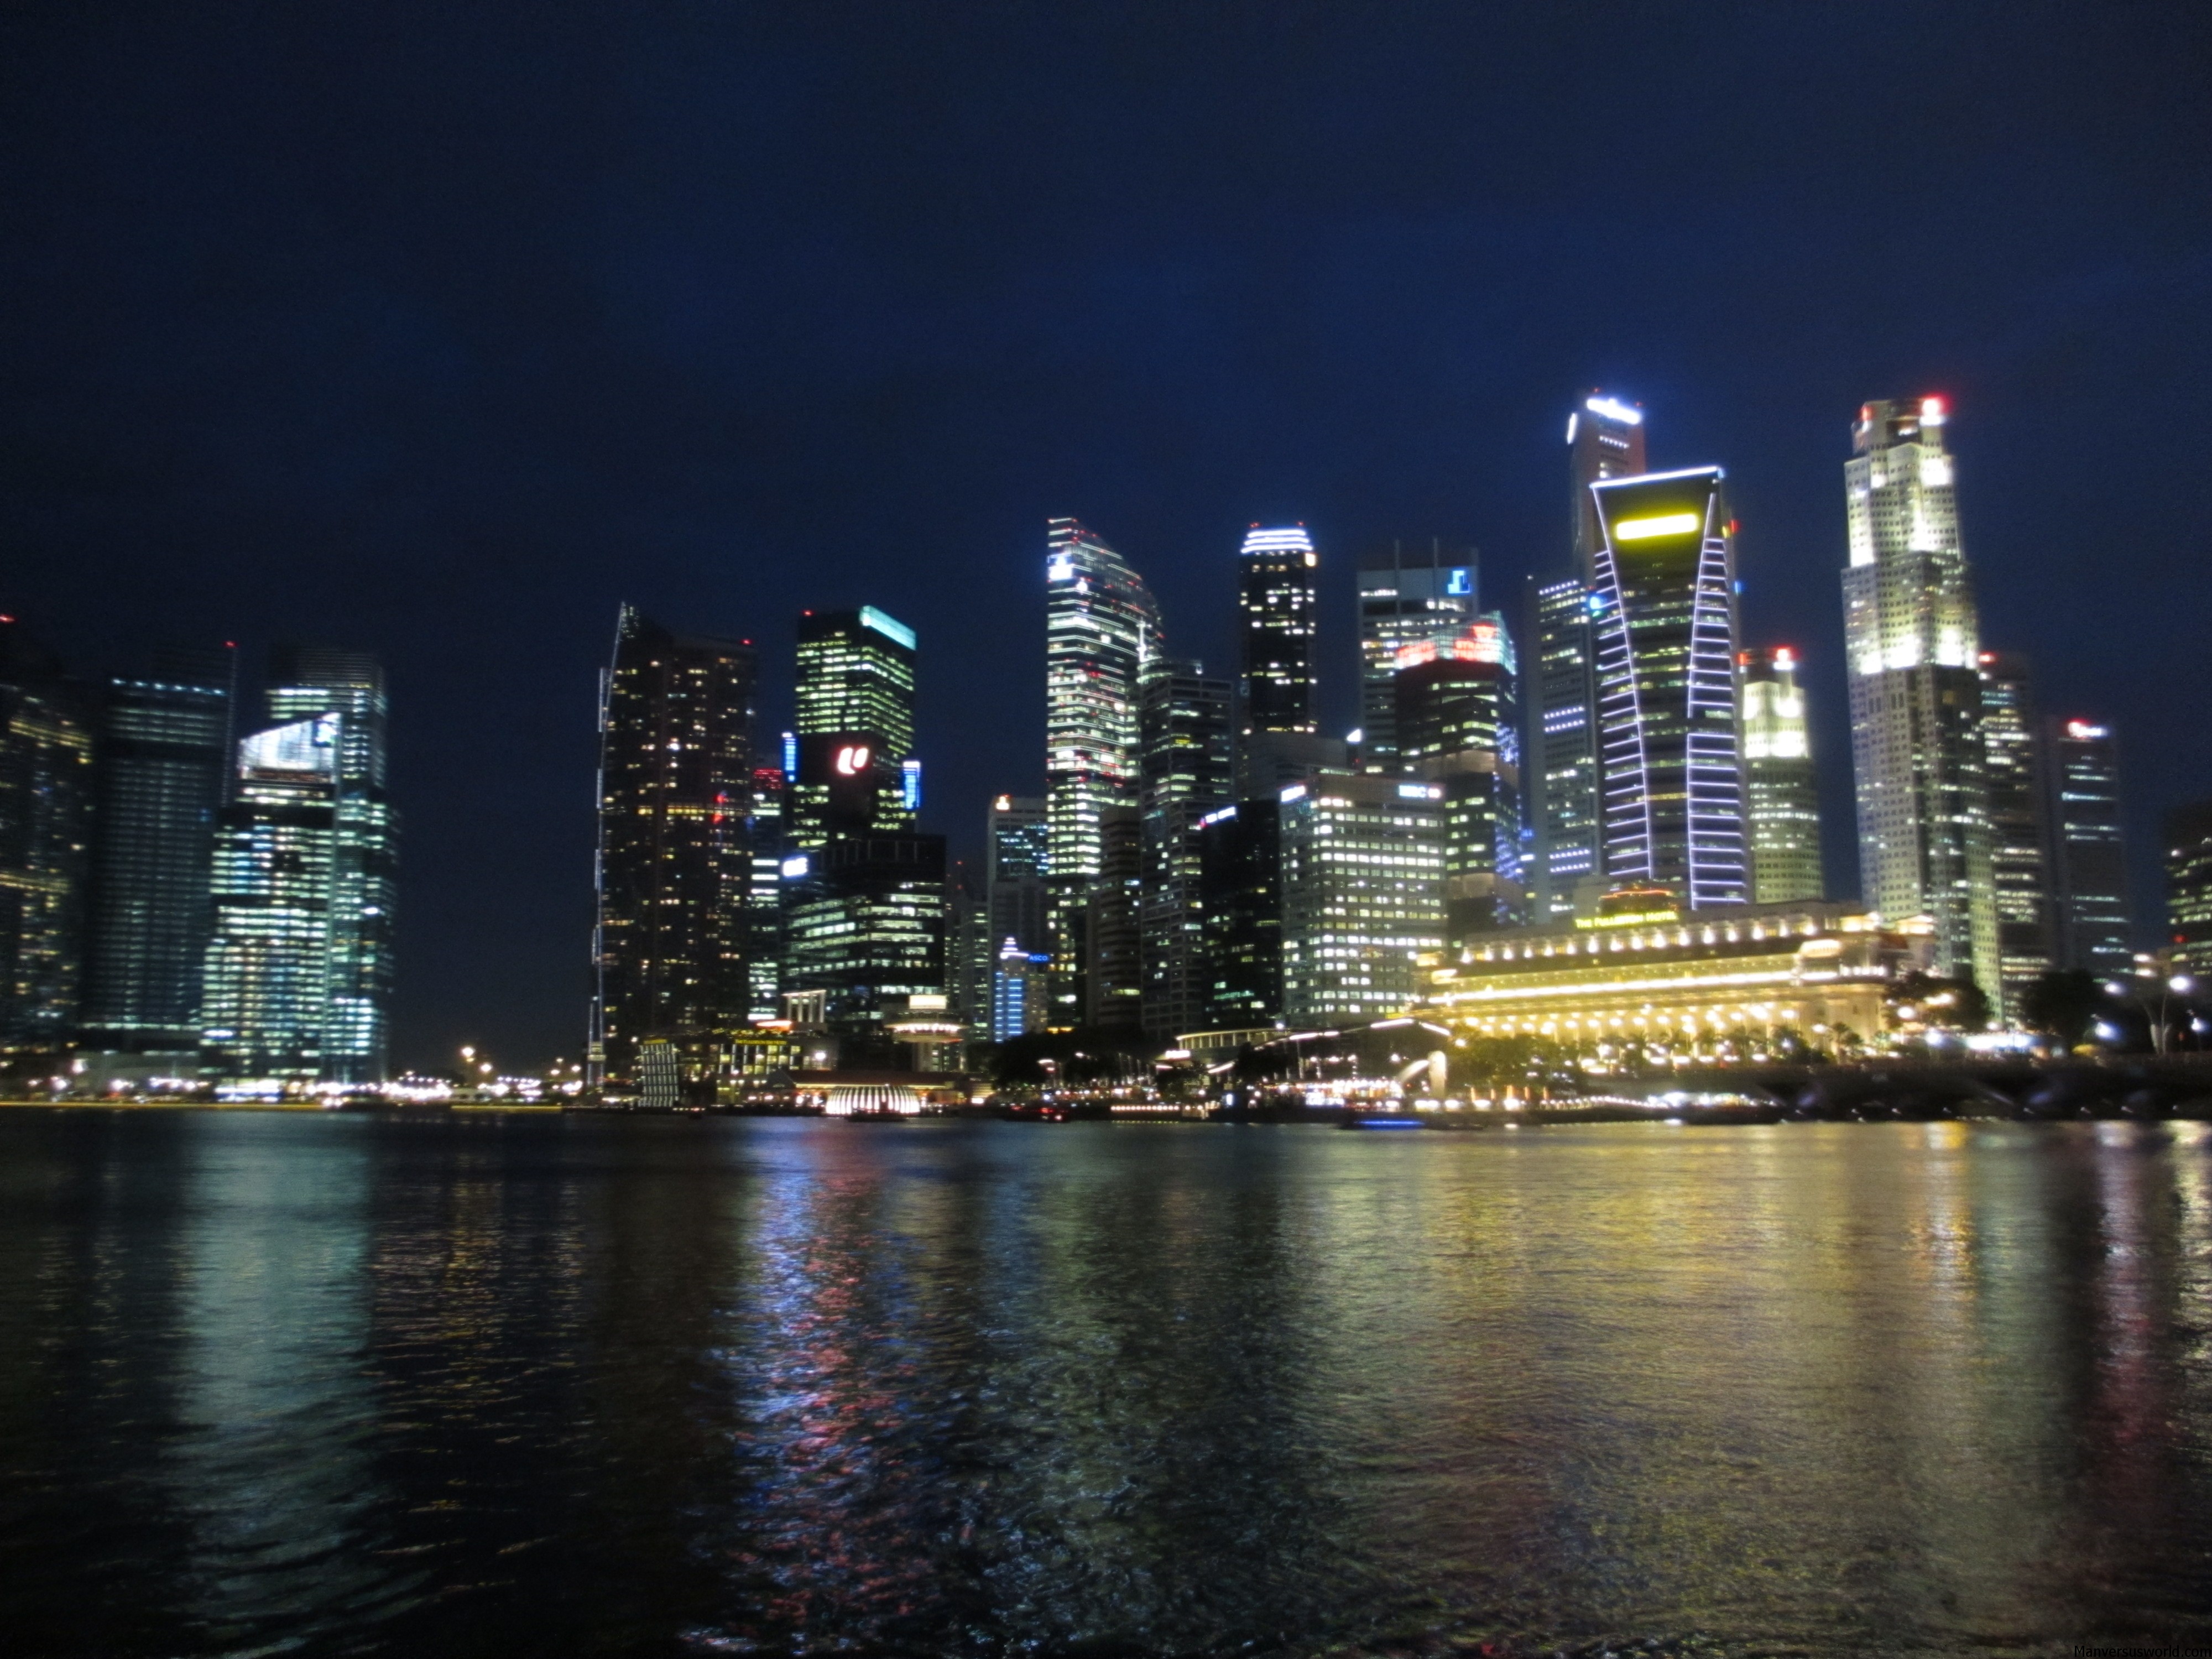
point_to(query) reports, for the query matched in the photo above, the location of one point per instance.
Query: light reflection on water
(346, 1384)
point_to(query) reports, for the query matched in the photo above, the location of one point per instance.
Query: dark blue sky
(439, 329)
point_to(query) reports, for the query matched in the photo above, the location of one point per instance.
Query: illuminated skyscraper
(676, 877)
(857, 770)
(2189, 886)
(1188, 722)
(1278, 603)
(165, 764)
(1408, 595)
(2020, 838)
(1916, 746)
(1458, 727)
(1605, 441)
(45, 825)
(1102, 629)
(1014, 864)
(1782, 795)
(865, 924)
(1363, 867)
(2088, 854)
(1663, 623)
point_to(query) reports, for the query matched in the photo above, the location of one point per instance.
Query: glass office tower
(1278, 602)
(1102, 630)
(1409, 595)
(676, 876)
(1917, 750)
(1458, 727)
(47, 783)
(1606, 439)
(855, 725)
(1781, 792)
(1363, 863)
(1664, 624)
(1187, 766)
(165, 762)
(2020, 837)
(1240, 876)
(1014, 867)
(2088, 853)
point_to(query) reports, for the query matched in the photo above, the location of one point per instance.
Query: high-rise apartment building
(1409, 595)
(1102, 630)
(1277, 602)
(1782, 795)
(857, 770)
(677, 923)
(2189, 886)
(46, 828)
(1912, 638)
(1363, 867)
(1240, 867)
(1458, 726)
(2014, 759)
(1663, 623)
(165, 764)
(2088, 853)
(1606, 439)
(1187, 766)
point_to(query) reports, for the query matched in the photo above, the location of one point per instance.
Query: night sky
(437, 330)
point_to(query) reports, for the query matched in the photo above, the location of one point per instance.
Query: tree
(1950, 1005)
(2063, 1006)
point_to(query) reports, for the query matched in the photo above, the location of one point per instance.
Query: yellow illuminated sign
(1660, 524)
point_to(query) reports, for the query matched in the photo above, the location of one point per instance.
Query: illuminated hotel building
(2088, 855)
(1278, 600)
(1606, 439)
(1457, 723)
(1102, 629)
(1779, 787)
(165, 763)
(1363, 867)
(1661, 975)
(857, 770)
(1662, 619)
(2189, 886)
(1188, 768)
(1911, 635)
(679, 904)
(1408, 595)
(2020, 840)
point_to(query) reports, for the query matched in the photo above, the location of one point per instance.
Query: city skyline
(743, 363)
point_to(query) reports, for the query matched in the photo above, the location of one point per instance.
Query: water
(284, 1382)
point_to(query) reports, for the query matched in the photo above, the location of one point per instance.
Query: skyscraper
(1240, 874)
(1781, 792)
(2020, 840)
(1606, 439)
(2088, 853)
(1113, 924)
(1187, 768)
(46, 825)
(1408, 595)
(165, 762)
(1363, 863)
(1458, 728)
(1014, 864)
(1278, 605)
(297, 986)
(865, 924)
(855, 725)
(1663, 623)
(1102, 629)
(2189, 886)
(1916, 746)
(675, 865)
(267, 1011)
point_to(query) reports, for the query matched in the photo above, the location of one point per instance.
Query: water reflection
(590, 1385)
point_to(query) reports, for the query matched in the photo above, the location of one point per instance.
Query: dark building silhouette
(1240, 857)
(45, 823)
(1278, 597)
(2088, 853)
(163, 773)
(675, 862)
(1187, 764)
